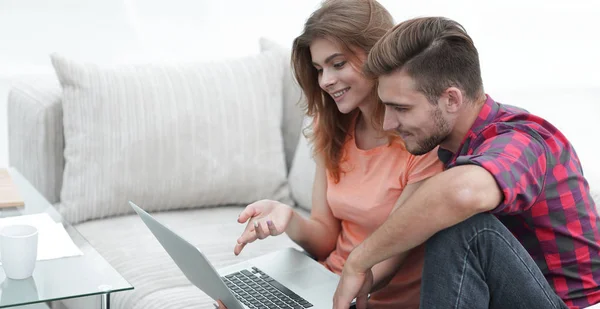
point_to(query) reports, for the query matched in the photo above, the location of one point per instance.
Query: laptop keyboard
(255, 289)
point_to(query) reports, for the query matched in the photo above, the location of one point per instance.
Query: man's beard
(441, 133)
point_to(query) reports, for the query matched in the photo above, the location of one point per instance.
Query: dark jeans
(478, 263)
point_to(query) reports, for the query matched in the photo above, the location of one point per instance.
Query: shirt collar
(487, 114)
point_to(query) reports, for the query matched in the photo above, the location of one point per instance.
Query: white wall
(532, 47)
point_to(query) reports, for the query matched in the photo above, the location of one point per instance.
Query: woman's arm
(318, 234)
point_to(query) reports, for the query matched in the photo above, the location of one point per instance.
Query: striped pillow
(171, 136)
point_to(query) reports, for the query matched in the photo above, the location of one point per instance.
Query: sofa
(200, 200)
(191, 143)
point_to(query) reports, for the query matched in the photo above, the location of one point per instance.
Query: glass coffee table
(70, 277)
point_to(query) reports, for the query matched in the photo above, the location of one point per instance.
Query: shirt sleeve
(423, 167)
(518, 163)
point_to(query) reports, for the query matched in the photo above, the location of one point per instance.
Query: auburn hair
(353, 24)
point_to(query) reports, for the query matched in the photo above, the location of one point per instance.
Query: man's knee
(460, 233)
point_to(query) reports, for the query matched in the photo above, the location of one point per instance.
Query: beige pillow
(302, 173)
(292, 97)
(170, 136)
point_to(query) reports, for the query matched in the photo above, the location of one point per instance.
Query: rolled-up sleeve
(518, 163)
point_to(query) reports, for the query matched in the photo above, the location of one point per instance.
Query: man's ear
(454, 99)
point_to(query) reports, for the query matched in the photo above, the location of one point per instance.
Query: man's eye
(400, 109)
(339, 65)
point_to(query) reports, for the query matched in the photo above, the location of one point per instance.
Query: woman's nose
(327, 80)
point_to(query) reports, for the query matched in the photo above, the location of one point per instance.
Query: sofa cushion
(302, 173)
(35, 132)
(292, 100)
(131, 249)
(596, 198)
(171, 136)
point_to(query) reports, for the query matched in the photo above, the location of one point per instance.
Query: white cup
(18, 248)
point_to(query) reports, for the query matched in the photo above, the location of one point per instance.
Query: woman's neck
(365, 118)
(367, 135)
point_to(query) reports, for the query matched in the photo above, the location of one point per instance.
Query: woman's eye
(339, 65)
(400, 109)
(319, 71)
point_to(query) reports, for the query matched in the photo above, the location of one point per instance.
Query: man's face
(421, 124)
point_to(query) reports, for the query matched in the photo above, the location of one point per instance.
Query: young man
(510, 223)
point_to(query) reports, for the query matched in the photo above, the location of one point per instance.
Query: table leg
(105, 301)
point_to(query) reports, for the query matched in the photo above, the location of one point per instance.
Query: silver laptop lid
(194, 265)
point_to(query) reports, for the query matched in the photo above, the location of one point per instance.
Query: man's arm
(504, 175)
(442, 201)
(384, 271)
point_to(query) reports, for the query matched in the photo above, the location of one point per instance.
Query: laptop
(283, 279)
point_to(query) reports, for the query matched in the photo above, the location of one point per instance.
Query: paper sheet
(53, 240)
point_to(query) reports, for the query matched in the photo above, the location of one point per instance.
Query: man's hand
(353, 283)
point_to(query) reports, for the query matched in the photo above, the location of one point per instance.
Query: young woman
(362, 172)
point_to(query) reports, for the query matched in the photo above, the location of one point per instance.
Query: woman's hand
(265, 218)
(219, 305)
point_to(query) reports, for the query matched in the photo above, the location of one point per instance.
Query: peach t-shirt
(363, 199)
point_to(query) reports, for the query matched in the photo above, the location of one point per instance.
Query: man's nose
(390, 122)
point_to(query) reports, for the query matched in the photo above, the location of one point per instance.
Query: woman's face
(348, 87)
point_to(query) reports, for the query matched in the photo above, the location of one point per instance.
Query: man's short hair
(435, 51)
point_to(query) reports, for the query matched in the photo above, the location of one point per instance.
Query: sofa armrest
(35, 133)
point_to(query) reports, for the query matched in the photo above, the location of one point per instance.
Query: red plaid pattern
(547, 203)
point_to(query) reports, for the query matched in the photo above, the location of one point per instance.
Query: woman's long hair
(353, 24)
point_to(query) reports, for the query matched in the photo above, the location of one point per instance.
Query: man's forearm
(442, 201)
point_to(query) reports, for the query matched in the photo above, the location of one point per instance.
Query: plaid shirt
(547, 203)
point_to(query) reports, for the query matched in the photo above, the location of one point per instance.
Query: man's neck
(463, 124)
